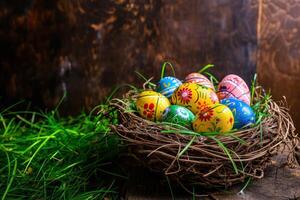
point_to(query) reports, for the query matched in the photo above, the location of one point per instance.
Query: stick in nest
(210, 160)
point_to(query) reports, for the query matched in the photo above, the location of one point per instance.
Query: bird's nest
(210, 160)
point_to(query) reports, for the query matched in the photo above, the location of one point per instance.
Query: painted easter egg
(178, 115)
(233, 86)
(193, 96)
(214, 118)
(242, 112)
(168, 85)
(151, 105)
(199, 79)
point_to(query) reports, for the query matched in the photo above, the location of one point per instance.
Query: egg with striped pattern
(233, 86)
(242, 112)
(168, 85)
(199, 79)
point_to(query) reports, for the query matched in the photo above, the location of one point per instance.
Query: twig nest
(208, 159)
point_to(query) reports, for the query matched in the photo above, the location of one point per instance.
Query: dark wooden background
(86, 47)
(278, 61)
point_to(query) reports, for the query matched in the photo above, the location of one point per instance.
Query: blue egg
(168, 85)
(243, 114)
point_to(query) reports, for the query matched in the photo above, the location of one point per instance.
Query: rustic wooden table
(280, 182)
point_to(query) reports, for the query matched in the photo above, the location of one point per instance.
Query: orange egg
(214, 118)
(192, 95)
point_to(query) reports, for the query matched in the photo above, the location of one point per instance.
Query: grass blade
(163, 69)
(226, 151)
(11, 179)
(186, 147)
(39, 148)
(145, 79)
(205, 68)
(253, 86)
(245, 186)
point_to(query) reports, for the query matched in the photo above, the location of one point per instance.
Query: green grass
(163, 69)
(186, 147)
(205, 68)
(227, 153)
(45, 156)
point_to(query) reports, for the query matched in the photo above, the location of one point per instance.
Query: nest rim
(160, 151)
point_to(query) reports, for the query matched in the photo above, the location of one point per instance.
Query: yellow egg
(151, 105)
(214, 118)
(193, 96)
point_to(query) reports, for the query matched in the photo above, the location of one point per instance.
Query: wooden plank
(280, 182)
(92, 46)
(278, 62)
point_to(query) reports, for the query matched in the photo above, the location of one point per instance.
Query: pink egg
(199, 79)
(233, 86)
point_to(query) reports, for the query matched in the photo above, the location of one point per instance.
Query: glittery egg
(242, 112)
(178, 115)
(214, 118)
(168, 85)
(193, 96)
(233, 86)
(199, 79)
(151, 105)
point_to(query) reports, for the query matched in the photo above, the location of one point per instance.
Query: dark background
(86, 47)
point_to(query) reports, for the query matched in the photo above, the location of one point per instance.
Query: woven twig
(205, 163)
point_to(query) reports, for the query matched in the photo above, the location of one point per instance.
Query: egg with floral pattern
(192, 96)
(178, 115)
(168, 85)
(233, 86)
(199, 79)
(151, 105)
(242, 112)
(214, 118)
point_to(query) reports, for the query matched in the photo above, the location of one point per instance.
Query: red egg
(233, 86)
(199, 79)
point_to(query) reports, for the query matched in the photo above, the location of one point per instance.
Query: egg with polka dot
(167, 85)
(178, 115)
(151, 105)
(242, 112)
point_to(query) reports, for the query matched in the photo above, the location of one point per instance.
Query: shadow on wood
(280, 182)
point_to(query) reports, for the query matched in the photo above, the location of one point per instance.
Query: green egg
(178, 115)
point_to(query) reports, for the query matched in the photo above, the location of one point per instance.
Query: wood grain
(86, 47)
(278, 62)
(280, 182)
